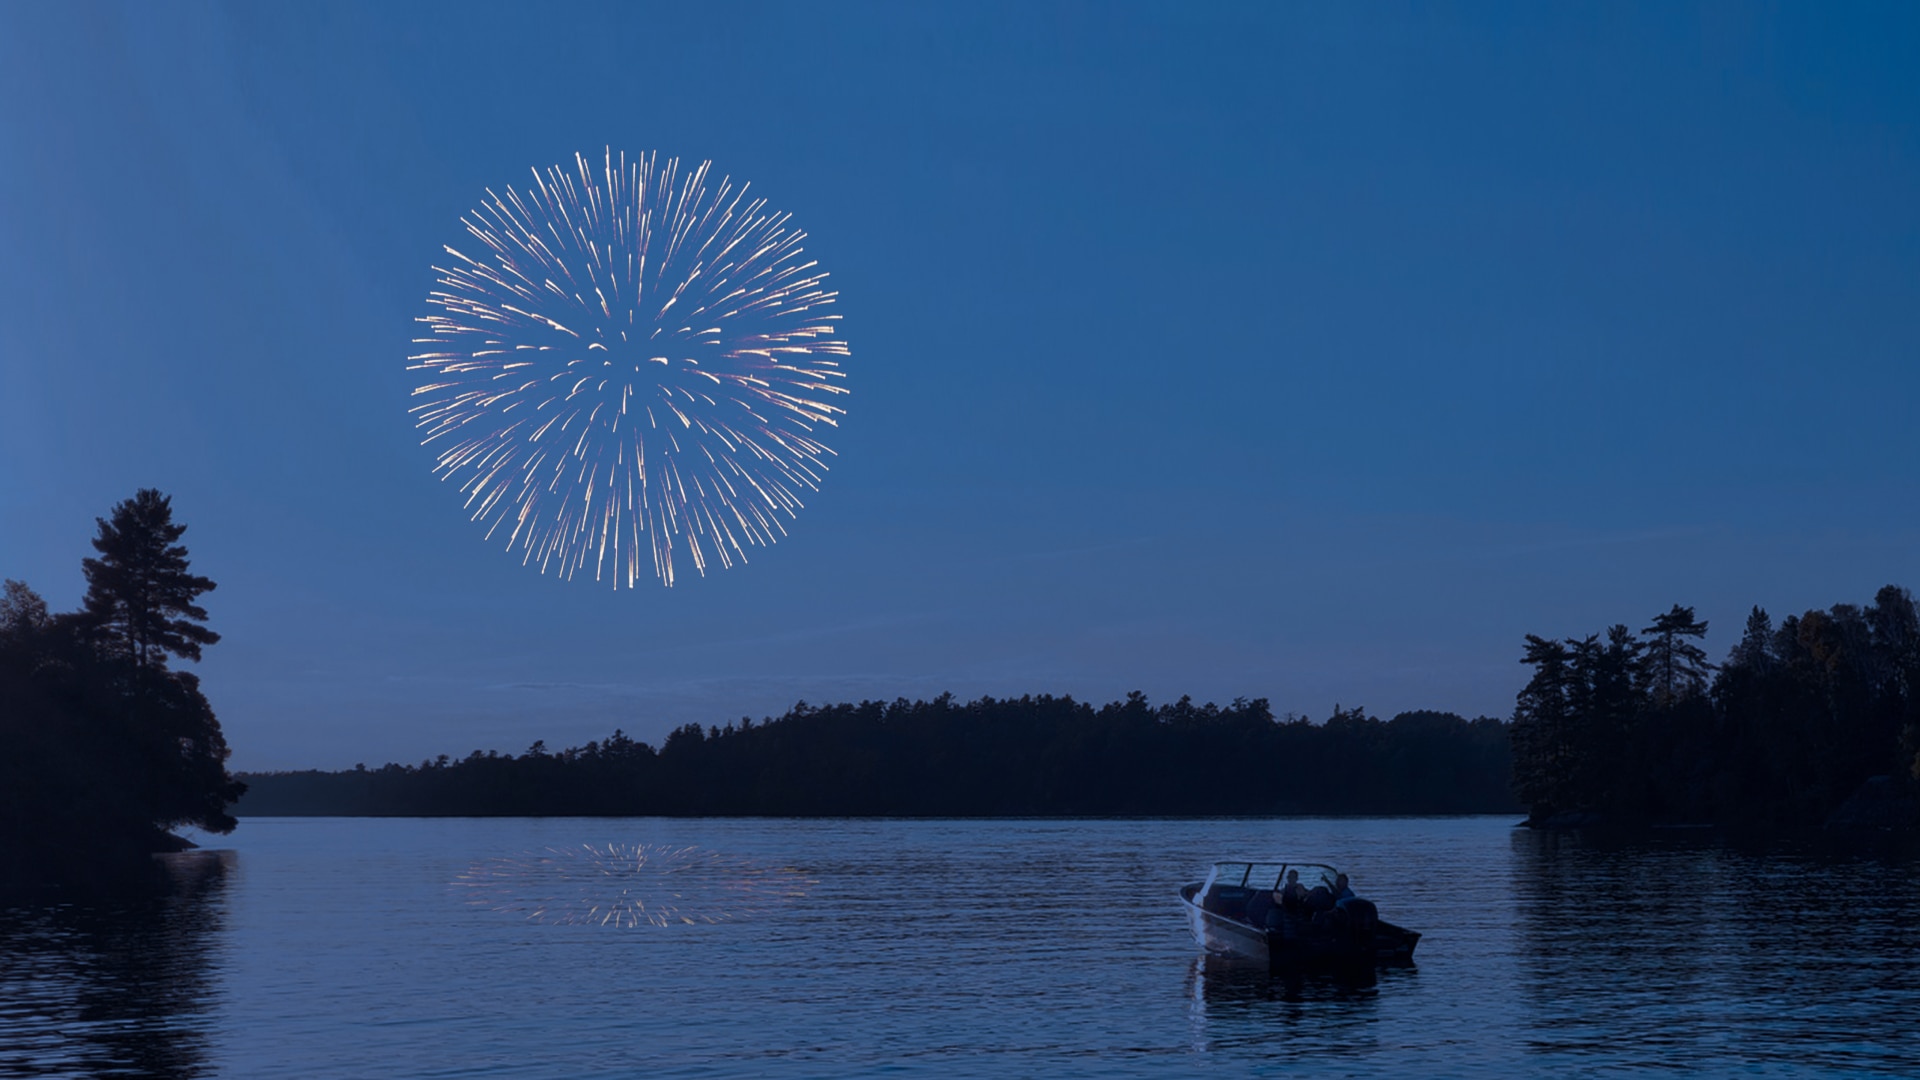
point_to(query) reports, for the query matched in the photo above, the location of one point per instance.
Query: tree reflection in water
(1686, 948)
(118, 982)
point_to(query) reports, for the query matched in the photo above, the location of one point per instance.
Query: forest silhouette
(1027, 756)
(1635, 729)
(110, 747)
(1624, 729)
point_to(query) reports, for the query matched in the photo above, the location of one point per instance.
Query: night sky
(1314, 353)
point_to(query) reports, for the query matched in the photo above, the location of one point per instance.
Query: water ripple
(337, 948)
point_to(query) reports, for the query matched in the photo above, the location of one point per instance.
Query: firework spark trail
(632, 361)
(627, 885)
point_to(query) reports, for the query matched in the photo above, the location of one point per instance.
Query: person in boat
(1319, 898)
(1353, 911)
(1329, 894)
(1292, 896)
(1342, 890)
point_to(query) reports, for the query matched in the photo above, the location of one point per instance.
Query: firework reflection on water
(629, 885)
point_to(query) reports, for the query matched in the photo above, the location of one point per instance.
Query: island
(108, 746)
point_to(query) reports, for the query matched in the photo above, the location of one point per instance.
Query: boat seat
(1260, 908)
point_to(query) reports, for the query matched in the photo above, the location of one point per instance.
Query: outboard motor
(1362, 917)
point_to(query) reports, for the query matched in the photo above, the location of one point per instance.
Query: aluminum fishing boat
(1241, 910)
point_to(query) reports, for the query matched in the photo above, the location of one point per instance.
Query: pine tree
(1675, 668)
(1754, 651)
(1617, 705)
(160, 756)
(1896, 633)
(139, 592)
(1542, 754)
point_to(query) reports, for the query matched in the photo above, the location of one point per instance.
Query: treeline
(1028, 756)
(106, 746)
(1640, 728)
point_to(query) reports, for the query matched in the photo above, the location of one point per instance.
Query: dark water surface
(387, 948)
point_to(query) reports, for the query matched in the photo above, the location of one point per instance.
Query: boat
(1234, 912)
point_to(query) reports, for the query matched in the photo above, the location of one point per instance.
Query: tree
(1675, 668)
(1896, 633)
(1603, 708)
(1541, 739)
(22, 613)
(1754, 652)
(139, 593)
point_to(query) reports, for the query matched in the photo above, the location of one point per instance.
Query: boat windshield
(1313, 873)
(1231, 874)
(1266, 876)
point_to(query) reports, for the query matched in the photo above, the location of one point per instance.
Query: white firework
(634, 365)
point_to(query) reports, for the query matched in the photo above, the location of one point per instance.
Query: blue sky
(1314, 352)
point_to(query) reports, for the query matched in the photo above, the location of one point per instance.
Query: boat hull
(1295, 942)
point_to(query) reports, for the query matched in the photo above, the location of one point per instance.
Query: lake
(328, 947)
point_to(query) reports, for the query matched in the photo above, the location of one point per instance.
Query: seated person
(1319, 898)
(1293, 895)
(1342, 892)
(1356, 912)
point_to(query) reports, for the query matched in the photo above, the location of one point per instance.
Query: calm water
(361, 948)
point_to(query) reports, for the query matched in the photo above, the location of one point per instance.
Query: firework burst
(629, 885)
(630, 364)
